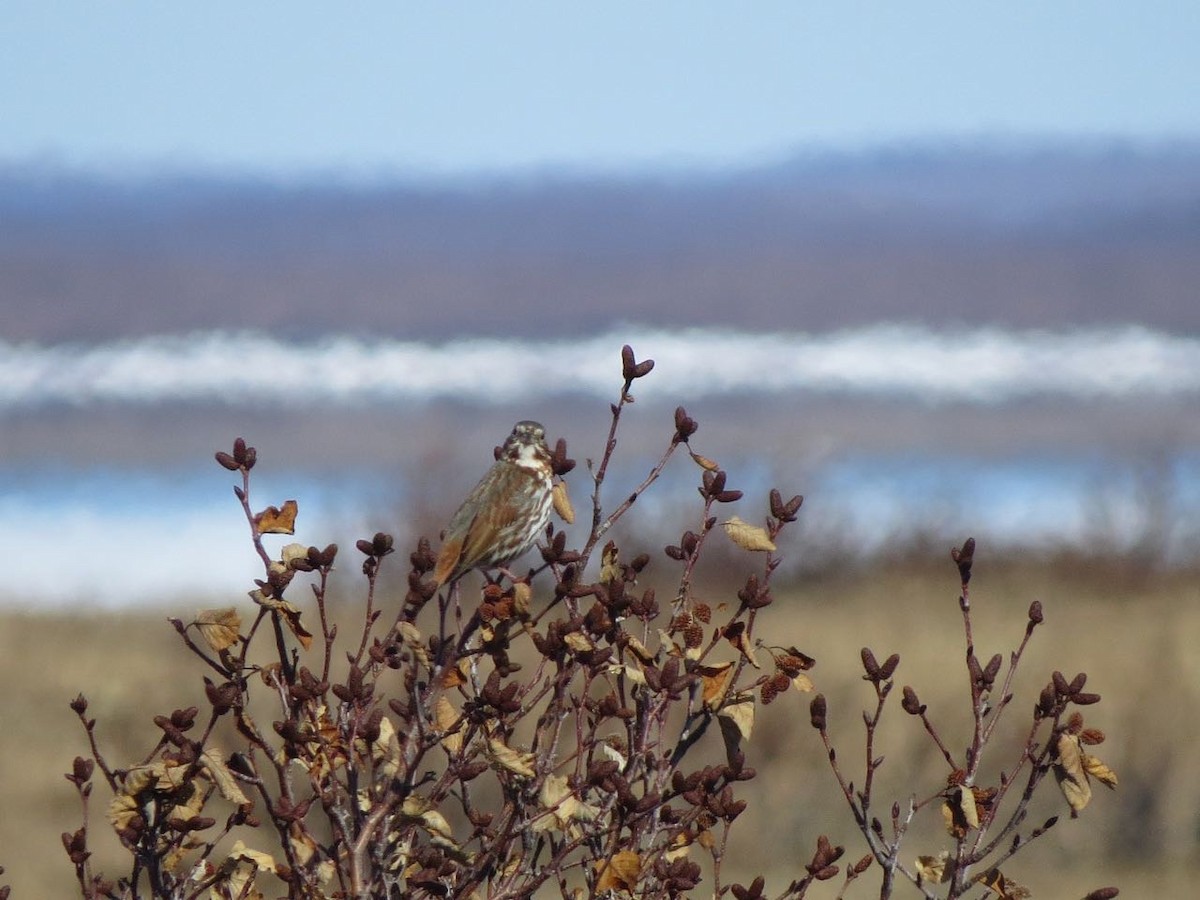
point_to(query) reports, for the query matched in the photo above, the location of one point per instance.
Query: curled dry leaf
(1098, 770)
(1069, 772)
(506, 757)
(385, 750)
(274, 520)
(610, 569)
(619, 873)
(633, 673)
(562, 502)
(714, 683)
(446, 718)
(935, 869)
(608, 751)
(290, 613)
(291, 554)
(747, 536)
(1003, 887)
(578, 642)
(563, 808)
(522, 597)
(219, 774)
(121, 812)
(264, 862)
(803, 683)
(959, 811)
(736, 719)
(219, 627)
(413, 641)
(709, 465)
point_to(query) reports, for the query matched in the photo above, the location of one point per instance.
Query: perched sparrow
(503, 516)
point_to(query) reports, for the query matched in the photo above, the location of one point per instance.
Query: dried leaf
(516, 762)
(714, 683)
(681, 846)
(456, 675)
(413, 641)
(633, 673)
(1003, 887)
(736, 719)
(608, 751)
(290, 614)
(264, 862)
(385, 750)
(446, 718)
(966, 803)
(522, 596)
(219, 627)
(302, 843)
(220, 775)
(709, 465)
(562, 502)
(803, 683)
(610, 570)
(954, 813)
(1098, 770)
(1068, 770)
(273, 520)
(291, 554)
(640, 650)
(578, 642)
(121, 811)
(564, 807)
(747, 536)
(619, 873)
(741, 639)
(934, 869)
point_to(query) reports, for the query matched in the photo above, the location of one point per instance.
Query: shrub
(566, 733)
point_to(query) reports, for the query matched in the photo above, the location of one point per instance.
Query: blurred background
(933, 265)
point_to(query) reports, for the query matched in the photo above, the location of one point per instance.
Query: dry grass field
(1136, 637)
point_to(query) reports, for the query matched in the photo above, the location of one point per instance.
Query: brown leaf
(413, 641)
(385, 750)
(1098, 770)
(935, 869)
(610, 570)
(1003, 887)
(290, 614)
(736, 719)
(747, 536)
(1068, 770)
(959, 811)
(709, 465)
(578, 642)
(446, 718)
(964, 797)
(219, 627)
(562, 502)
(714, 683)
(219, 774)
(264, 862)
(122, 810)
(273, 520)
(522, 596)
(455, 675)
(803, 683)
(506, 757)
(619, 873)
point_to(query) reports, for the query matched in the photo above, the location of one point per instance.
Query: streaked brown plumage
(503, 516)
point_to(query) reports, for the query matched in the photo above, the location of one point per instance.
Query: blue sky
(300, 87)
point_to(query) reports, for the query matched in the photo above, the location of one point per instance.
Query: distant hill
(1022, 236)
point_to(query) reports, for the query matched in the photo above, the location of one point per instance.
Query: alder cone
(504, 514)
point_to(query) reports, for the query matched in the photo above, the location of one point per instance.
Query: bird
(504, 514)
